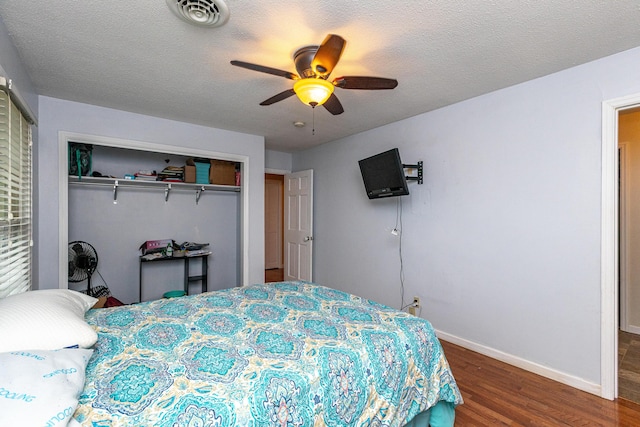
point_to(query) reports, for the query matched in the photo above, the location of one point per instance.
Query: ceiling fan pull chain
(313, 120)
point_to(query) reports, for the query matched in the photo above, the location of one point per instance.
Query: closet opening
(151, 211)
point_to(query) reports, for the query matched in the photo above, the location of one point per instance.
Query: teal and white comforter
(285, 354)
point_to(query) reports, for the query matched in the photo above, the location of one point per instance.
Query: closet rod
(161, 185)
(154, 185)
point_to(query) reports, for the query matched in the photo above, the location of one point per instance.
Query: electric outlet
(416, 301)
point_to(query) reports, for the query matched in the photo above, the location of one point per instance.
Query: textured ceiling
(138, 56)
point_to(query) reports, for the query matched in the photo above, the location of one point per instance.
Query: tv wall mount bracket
(419, 168)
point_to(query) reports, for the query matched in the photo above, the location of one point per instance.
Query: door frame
(609, 244)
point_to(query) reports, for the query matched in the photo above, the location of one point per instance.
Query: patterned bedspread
(283, 354)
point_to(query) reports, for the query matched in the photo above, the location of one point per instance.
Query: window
(15, 192)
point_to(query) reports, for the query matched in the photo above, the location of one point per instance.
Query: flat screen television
(383, 175)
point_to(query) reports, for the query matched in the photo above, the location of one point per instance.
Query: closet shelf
(117, 183)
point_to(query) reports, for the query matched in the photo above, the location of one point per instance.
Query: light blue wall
(277, 160)
(502, 241)
(11, 67)
(59, 115)
(116, 230)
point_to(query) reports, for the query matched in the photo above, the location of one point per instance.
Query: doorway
(610, 243)
(273, 227)
(629, 242)
(289, 226)
(63, 199)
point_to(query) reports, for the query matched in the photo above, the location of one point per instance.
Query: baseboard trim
(632, 329)
(521, 363)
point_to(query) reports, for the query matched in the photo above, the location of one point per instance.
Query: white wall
(60, 115)
(502, 241)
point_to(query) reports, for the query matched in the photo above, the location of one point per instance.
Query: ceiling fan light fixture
(314, 65)
(313, 91)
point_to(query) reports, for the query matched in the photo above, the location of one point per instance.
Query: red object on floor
(113, 302)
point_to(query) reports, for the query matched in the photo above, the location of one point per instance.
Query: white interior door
(298, 225)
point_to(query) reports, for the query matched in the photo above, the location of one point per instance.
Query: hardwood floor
(274, 275)
(629, 366)
(496, 393)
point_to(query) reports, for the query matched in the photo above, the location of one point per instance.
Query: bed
(278, 354)
(281, 354)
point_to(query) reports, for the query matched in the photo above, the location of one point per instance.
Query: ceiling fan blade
(333, 105)
(367, 83)
(263, 69)
(328, 55)
(279, 97)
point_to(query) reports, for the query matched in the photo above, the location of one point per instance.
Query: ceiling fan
(314, 65)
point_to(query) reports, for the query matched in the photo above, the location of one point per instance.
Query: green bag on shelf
(80, 159)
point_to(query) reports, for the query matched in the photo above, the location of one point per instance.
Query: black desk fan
(83, 261)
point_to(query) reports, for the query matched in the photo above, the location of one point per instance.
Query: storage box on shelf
(222, 172)
(202, 172)
(190, 173)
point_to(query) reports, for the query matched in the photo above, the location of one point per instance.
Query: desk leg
(186, 275)
(205, 273)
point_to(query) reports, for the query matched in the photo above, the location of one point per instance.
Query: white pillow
(45, 320)
(41, 388)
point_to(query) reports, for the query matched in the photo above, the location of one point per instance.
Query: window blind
(15, 193)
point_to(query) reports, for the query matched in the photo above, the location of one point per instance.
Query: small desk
(188, 278)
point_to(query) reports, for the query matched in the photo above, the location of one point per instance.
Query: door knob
(308, 238)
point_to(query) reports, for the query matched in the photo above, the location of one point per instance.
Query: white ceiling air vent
(205, 13)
